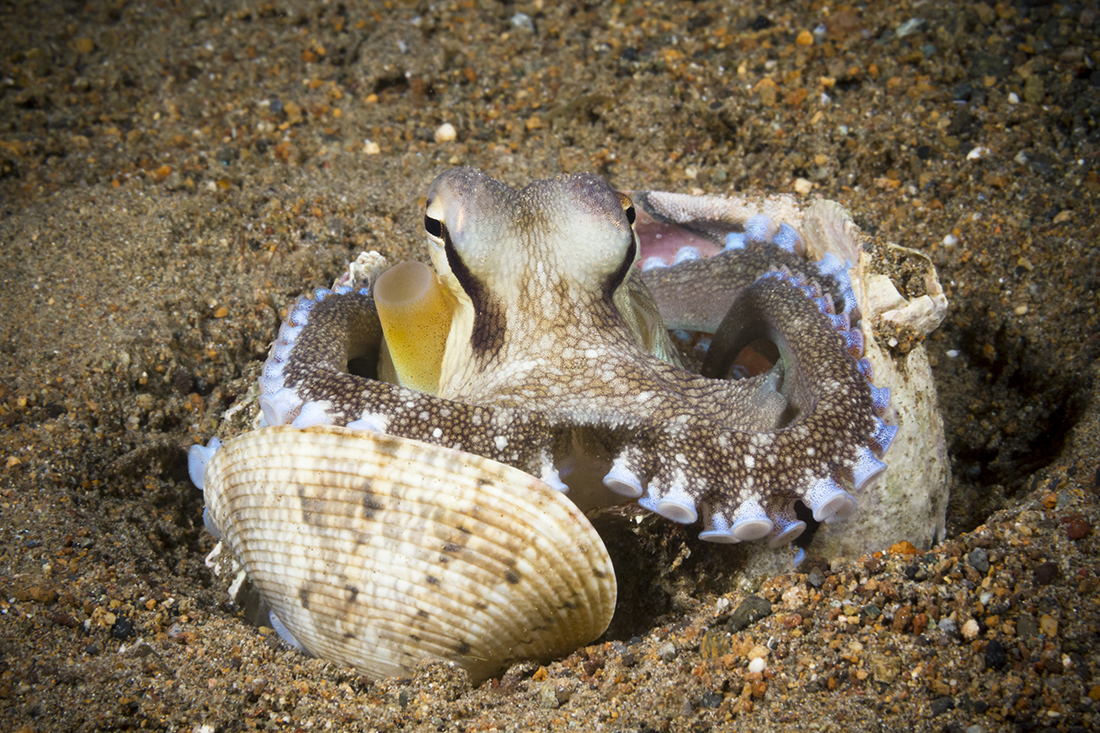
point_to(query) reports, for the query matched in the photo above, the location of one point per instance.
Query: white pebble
(950, 240)
(757, 665)
(445, 133)
(970, 630)
(371, 148)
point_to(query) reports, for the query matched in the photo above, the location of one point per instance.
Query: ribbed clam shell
(378, 551)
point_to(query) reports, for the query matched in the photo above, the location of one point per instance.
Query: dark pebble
(962, 92)
(751, 610)
(979, 560)
(1045, 573)
(92, 650)
(181, 382)
(760, 23)
(816, 578)
(1077, 527)
(995, 656)
(592, 665)
(123, 628)
(942, 705)
(65, 619)
(710, 699)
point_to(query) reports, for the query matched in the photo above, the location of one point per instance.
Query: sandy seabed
(173, 175)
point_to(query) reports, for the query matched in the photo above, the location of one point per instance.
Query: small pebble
(751, 610)
(548, 696)
(979, 560)
(123, 628)
(1077, 527)
(816, 578)
(942, 705)
(1048, 625)
(909, 27)
(757, 665)
(445, 133)
(523, 22)
(970, 630)
(710, 699)
(667, 651)
(1045, 573)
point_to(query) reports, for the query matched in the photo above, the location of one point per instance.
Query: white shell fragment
(379, 552)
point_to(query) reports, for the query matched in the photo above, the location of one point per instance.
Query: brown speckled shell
(379, 552)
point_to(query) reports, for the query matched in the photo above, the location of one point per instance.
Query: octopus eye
(628, 208)
(434, 227)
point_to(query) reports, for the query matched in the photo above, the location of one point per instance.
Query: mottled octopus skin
(547, 357)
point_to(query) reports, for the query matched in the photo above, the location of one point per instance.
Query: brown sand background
(173, 175)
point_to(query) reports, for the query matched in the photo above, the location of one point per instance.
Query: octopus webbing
(542, 341)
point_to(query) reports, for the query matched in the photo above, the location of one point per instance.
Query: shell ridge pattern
(474, 577)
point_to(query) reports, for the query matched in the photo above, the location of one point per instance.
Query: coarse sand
(174, 174)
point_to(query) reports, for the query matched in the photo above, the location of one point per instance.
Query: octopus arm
(323, 370)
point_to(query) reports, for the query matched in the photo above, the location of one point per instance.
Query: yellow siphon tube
(415, 310)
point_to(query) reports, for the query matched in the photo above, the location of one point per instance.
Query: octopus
(571, 339)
